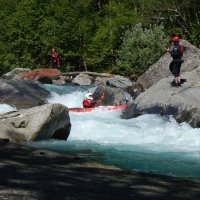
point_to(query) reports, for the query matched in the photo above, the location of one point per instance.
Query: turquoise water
(131, 157)
(148, 143)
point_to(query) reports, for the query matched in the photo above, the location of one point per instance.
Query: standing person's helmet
(89, 96)
(175, 39)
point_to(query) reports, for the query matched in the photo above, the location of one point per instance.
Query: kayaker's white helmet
(89, 96)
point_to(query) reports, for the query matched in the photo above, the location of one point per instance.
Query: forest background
(117, 36)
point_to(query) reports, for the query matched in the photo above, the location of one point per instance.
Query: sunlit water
(148, 143)
(4, 108)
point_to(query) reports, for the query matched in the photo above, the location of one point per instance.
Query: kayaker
(89, 102)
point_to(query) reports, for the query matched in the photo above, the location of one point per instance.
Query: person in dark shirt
(176, 52)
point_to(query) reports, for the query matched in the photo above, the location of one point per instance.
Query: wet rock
(38, 123)
(162, 98)
(83, 79)
(61, 81)
(45, 80)
(135, 89)
(101, 80)
(119, 82)
(15, 73)
(112, 96)
(41, 75)
(22, 94)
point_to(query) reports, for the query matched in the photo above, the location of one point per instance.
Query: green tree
(86, 33)
(179, 18)
(141, 47)
(112, 19)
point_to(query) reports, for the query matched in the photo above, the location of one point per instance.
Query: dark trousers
(54, 65)
(175, 67)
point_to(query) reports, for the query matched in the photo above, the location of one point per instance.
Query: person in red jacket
(89, 102)
(55, 61)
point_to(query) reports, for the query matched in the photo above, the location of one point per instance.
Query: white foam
(4, 108)
(71, 100)
(148, 131)
(147, 143)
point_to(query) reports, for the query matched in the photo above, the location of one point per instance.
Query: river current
(148, 143)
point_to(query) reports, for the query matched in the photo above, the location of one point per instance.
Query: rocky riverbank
(28, 173)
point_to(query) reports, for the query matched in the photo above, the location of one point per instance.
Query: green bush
(141, 47)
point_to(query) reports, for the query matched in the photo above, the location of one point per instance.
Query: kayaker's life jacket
(88, 103)
(177, 52)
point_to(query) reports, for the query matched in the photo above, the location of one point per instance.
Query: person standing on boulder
(176, 52)
(55, 61)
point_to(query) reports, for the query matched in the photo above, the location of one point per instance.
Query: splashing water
(70, 96)
(4, 108)
(147, 143)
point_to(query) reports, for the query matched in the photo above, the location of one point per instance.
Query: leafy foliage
(179, 18)
(141, 47)
(86, 33)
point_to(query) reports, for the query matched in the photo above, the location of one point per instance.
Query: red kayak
(104, 108)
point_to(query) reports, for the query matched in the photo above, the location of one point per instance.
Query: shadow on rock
(28, 173)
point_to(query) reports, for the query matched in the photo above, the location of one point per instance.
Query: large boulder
(135, 89)
(83, 79)
(43, 75)
(99, 80)
(119, 82)
(181, 102)
(38, 123)
(15, 73)
(161, 70)
(112, 96)
(22, 94)
(61, 81)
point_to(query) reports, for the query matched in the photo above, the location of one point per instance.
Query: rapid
(148, 143)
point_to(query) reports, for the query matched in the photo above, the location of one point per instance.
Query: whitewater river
(148, 143)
